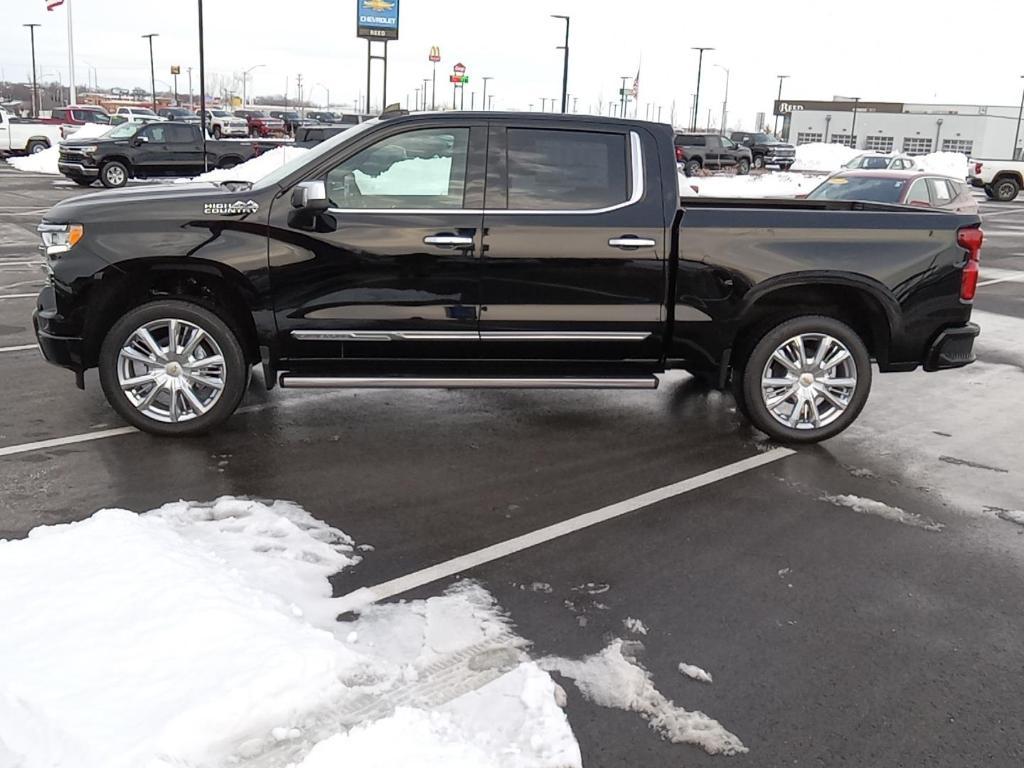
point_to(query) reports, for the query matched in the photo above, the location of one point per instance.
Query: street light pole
(483, 101)
(725, 101)
(565, 63)
(35, 88)
(245, 79)
(622, 95)
(853, 125)
(191, 105)
(781, 78)
(152, 72)
(696, 97)
(425, 81)
(1016, 136)
(202, 87)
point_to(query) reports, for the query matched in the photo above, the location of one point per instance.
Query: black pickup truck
(143, 150)
(497, 250)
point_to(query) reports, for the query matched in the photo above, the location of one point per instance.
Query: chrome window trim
(637, 193)
(398, 335)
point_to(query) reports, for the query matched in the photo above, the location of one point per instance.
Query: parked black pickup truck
(497, 250)
(697, 151)
(766, 149)
(142, 150)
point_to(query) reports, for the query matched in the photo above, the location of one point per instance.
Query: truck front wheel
(114, 174)
(806, 379)
(173, 368)
(759, 161)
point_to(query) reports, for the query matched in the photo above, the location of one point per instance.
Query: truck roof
(552, 117)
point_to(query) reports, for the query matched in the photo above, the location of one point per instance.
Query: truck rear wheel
(806, 380)
(114, 174)
(692, 167)
(35, 147)
(1005, 189)
(173, 368)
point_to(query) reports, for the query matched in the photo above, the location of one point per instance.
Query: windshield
(219, 113)
(290, 115)
(866, 188)
(178, 112)
(870, 162)
(95, 117)
(764, 138)
(313, 154)
(142, 111)
(123, 131)
(257, 114)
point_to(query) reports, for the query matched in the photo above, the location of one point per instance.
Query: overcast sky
(903, 50)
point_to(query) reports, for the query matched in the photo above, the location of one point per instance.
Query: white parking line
(56, 442)
(20, 348)
(361, 598)
(19, 296)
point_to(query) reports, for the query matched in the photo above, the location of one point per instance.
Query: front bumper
(953, 348)
(59, 349)
(77, 169)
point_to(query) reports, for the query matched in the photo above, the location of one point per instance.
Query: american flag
(636, 81)
(51, 4)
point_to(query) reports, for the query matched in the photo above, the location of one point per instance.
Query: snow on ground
(880, 509)
(252, 170)
(46, 161)
(777, 184)
(205, 634)
(1015, 516)
(694, 672)
(823, 157)
(614, 678)
(635, 626)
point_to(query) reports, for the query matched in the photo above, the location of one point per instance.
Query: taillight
(680, 156)
(970, 239)
(977, 169)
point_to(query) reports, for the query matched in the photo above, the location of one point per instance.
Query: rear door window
(686, 140)
(918, 193)
(940, 191)
(177, 134)
(566, 170)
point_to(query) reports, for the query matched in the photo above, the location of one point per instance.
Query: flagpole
(71, 56)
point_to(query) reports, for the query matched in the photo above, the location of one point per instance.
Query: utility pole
(781, 78)
(152, 72)
(1016, 136)
(696, 96)
(725, 101)
(35, 88)
(483, 101)
(565, 63)
(298, 89)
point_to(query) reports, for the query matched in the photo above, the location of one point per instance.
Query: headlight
(59, 238)
(87, 150)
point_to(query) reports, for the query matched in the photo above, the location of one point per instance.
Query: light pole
(35, 88)
(483, 101)
(622, 95)
(696, 97)
(328, 91)
(202, 86)
(245, 78)
(543, 104)
(490, 99)
(565, 62)
(853, 124)
(425, 81)
(781, 78)
(828, 121)
(191, 106)
(152, 72)
(725, 100)
(1020, 114)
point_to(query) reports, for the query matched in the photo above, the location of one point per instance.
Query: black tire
(35, 147)
(1005, 189)
(785, 166)
(228, 162)
(216, 132)
(82, 181)
(743, 167)
(236, 377)
(114, 174)
(750, 399)
(989, 192)
(759, 161)
(692, 167)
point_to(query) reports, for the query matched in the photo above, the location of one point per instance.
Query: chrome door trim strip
(326, 335)
(639, 186)
(292, 381)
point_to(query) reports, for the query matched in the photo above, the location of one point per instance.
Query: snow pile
(46, 161)
(635, 626)
(205, 634)
(823, 157)
(696, 673)
(1015, 516)
(613, 678)
(782, 184)
(879, 509)
(252, 170)
(953, 164)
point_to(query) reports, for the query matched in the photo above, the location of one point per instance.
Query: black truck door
(391, 270)
(574, 258)
(184, 148)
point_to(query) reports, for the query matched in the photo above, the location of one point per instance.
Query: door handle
(631, 242)
(448, 241)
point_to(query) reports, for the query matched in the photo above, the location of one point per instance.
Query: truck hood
(190, 197)
(95, 140)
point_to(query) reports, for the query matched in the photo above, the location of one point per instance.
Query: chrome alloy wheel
(115, 176)
(171, 370)
(809, 381)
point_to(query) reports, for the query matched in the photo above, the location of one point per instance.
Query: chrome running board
(295, 381)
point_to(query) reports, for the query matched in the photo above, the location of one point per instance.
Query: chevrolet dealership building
(915, 129)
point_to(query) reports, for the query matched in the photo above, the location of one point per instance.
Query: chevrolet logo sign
(377, 5)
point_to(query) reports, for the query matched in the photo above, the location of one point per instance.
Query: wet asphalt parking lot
(835, 637)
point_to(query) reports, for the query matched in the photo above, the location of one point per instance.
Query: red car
(924, 190)
(262, 125)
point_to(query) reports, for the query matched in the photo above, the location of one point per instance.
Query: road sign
(175, 69)
(377, 19)
(435, 54)
(461, 79)
(625, 91)
(459, 68)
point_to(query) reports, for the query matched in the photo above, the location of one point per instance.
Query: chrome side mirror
(310, 196)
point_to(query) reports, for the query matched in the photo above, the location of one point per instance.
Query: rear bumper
(976, 182)
(953, 348)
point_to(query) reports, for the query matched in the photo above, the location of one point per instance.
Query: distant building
(915, 129)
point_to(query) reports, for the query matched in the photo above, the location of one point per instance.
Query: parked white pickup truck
(1002, 180)
(17, 137)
